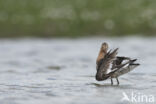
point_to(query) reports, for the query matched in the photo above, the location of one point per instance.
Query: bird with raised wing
(109, 61)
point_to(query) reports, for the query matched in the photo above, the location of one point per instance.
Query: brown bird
(106, 59)
(103, 61)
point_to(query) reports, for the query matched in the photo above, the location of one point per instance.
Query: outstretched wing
(124, 70)
(118, 62)
(104, 64)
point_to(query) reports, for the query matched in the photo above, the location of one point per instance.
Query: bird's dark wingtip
(136, 64)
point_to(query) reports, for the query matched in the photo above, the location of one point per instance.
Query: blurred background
(75, 18)
(48, 50)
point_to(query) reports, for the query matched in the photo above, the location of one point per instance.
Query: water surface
(61, 71)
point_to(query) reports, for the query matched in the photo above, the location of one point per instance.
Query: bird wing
(124, 70)
(117, 63)
(103, 64)
(129, 68)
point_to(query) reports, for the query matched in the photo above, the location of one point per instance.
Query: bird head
(104, 47)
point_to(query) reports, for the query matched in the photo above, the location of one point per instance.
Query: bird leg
(111, 81)
(117, 80)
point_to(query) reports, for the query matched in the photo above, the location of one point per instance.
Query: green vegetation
(72, 18)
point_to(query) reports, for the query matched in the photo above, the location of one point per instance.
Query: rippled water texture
(61, 71)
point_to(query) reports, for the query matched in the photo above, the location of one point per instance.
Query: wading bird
(109, 61)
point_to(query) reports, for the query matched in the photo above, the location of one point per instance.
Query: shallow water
(61, 71)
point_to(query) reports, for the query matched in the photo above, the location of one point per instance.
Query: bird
(118, 65)
(103, 61)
